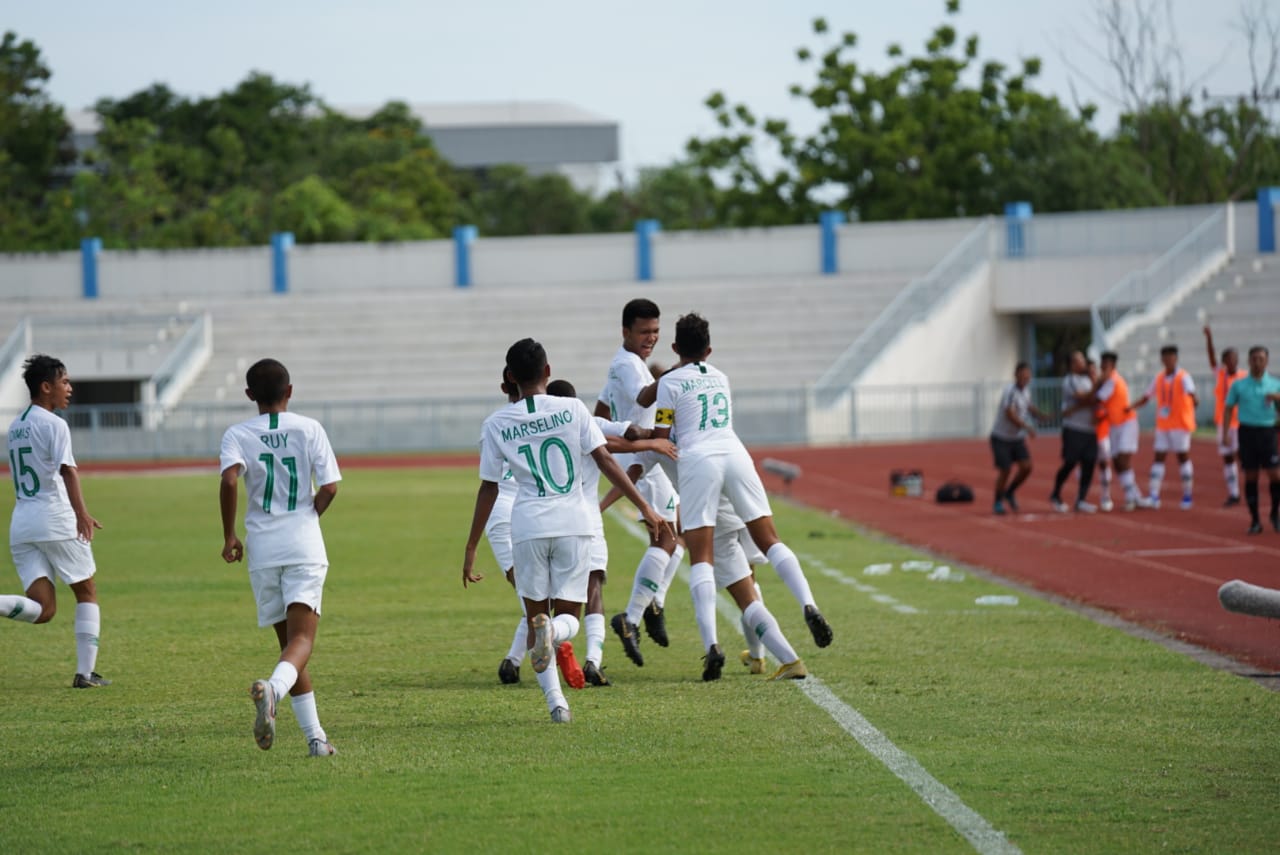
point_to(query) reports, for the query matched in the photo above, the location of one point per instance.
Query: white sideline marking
(1191, 550)
(874, 593)
(968, 823)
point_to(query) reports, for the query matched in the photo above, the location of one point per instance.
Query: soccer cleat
(1275, 526)
(655, 623)
(264, 726)
(1083, 507)
(1011, 502)
(593, 675)
(1231, 502)
(1106, 506)
(818, 626)
(1151, 503)
(1130, 505)
(568, 665)
(92, 681)
(1058, 505)
(629, 635)
(1185, 504)
(998, 508)
(756, 666)
(320, 748)
(791, 671)
(1255, 527)
(508, 672)
(713, 662)
(542, 651)
(561, 715)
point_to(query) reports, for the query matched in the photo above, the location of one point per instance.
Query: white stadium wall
(552, 259)
(912, 247)
(1059, 284)
(40, 276)
(337, 268)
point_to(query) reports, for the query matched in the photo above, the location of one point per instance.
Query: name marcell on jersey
(701, 383)
(537, 426)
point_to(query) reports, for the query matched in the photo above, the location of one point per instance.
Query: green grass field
(1064, 735)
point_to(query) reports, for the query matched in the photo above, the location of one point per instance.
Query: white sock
(283, 678)
(18, 607)
(668, 575)
(1104, 483)
(594, 625)
(549, 681)
(648, 582)
(702, 587)
(519, 642)
(1157, 478)
(789, 571)
(1232, 476)
(1188, 472)
(1129, 486)
(87, 615)
(304, 710)
(755, 647)
(765, 627)
(564, 628)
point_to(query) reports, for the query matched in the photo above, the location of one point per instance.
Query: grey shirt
(1082, 419)
(1020, 400)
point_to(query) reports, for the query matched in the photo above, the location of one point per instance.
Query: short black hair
(1020, 366)
(508, 388)
(526, 361)
(1109, 356)
(1257, 348)
(1169, 348)
(1229, 351)
(561, 389)
(41, 368)
(639, 309)
(267, 381)
(693, 336)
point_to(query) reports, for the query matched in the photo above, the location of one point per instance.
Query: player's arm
(485, 497)
(325, 494)
(1208, 343)
(646, 396)
(85, 524)
(610, 469)
(228, 491)
(602, 410)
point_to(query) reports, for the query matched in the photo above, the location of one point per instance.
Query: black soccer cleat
(1231, 502)
(655, 623)
(508, 672)
(1255, 527)
(713, 663)
(594, 675)
(1008, 500)
(93, 681)
(629, 635)
(818, 626)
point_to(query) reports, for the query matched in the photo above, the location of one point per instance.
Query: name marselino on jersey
(536, 426)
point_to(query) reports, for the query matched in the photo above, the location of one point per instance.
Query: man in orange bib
(1113, 394)
(1175, 395)
(1226, 373)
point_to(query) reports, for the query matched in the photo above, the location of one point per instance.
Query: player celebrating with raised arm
(291, 477)
(544, 440)
(50, 531)
(695, 409)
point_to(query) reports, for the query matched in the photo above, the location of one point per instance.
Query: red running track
(1157, 568)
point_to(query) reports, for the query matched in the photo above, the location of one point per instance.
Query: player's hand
(665, 446)
(85, 526)
(232, 550)
(469, 573)
(652, 521)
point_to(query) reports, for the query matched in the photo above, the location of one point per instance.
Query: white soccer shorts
(553, 568)
(277, 588)
(1177, 441)
(1228, 440)
(1124, 438)
(703, 478)
(68, 560)
(598, 553)
(498, 533)
(1104, 448)
(659, 492)
(731, 551)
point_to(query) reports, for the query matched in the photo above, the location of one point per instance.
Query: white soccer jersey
(628, 375)
(695, 402)
(591, 473)
(39, 446)
(283, 456)
(544, 439)
(506, 497)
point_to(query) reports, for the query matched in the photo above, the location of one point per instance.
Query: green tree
(507, 200)
(314, 212)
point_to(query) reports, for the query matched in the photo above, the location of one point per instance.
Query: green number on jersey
(290, 464)
(542, 474)
(20, 470)
(721, 417)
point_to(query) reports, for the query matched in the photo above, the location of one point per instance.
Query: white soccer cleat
(543, 651)
(1106, 506)
(561, 715)
(264, 726)
(1083, 507)
(1059, 506)
(320, 748)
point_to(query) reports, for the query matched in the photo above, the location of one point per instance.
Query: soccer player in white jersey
(50, 531)
(695, 410)
(545, 440)
(497, 530)
(291, 477)
(628, 395)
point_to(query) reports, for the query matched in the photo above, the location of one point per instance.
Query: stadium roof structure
(540, 135)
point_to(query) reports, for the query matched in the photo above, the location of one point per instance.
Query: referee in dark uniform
(1256, 397)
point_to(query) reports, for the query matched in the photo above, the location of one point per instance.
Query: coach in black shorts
(1256, 397)
(1079, 435)
(1008, 437)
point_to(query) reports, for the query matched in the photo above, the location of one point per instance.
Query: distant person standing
(1009, 437)
(1254, 399)
(1226, 373)
(1113, 394)
(1175, 395)
(51, 528)
(1079, 435)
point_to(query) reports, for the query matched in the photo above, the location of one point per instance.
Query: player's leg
(702, 590)
(566, 578)
(1273, 483)
(40, 602)
(660, 493)
(1186, 470)
(1252, 461)
(1070, 458)
(1088, 462)
(1155, 481)
(648, 581)
(1022, 464)
(509, 667)
(1228, 445)
(302, 621)
(72, 561)
(733, 573)
(593, 620)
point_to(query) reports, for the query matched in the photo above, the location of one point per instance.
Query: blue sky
(647, 65)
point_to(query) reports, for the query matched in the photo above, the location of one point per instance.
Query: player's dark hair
(1020, 366)
(1169, 348)
(508, 388)
(1229, 351)
(1109, 356)
(267, 381)
(41, 368)
(561, 389)
(1257, 348)
(639, 309)
(693, 336)
(526, 361)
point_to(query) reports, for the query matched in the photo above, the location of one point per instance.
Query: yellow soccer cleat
(756, 665)
(791, 671)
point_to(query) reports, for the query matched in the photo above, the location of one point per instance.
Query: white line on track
(1207, 550)
(969, 824)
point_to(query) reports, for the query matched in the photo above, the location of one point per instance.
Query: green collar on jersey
(274, 423)
(24, 412)
(529, 402)
(701, 367)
